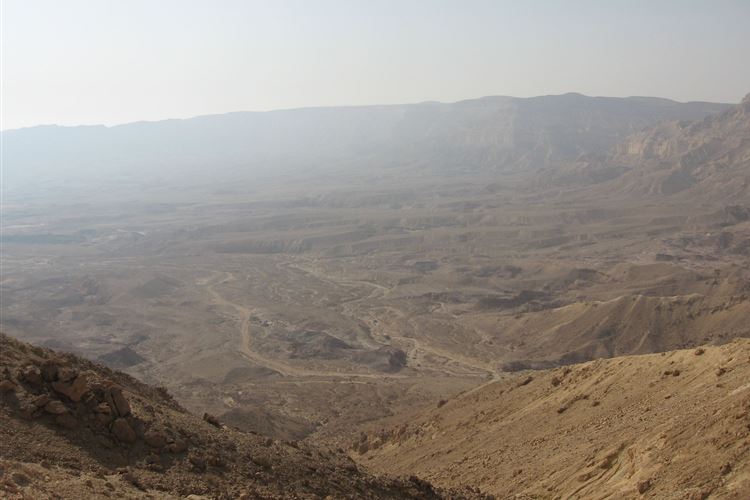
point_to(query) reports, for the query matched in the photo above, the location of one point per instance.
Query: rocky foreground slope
(70, 428)
(671, 425)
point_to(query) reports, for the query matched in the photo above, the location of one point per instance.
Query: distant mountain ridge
(497, 133)
(707, 159)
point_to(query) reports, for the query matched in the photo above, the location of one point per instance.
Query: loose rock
(212, 420)
(155, 439)
(7, 386)
(119, 404)
(123, 432)
(74, 390)
(643, 486)
(66, 374)
(33, 376)
(55, 407)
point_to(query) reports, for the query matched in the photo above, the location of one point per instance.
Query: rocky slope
(710, 157)
(70, 428)
(706, 159)
(628, 324)
(671, 425)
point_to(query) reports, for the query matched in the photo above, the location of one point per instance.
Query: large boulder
(117, 402)
(74, 390)
(123, 432)
(155, 439)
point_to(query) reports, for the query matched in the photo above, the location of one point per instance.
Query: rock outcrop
(70, 428)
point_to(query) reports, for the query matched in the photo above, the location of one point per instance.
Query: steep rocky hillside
(668, 426)
(710, 157)
(706, 159)
(628, 324)
(73, 429)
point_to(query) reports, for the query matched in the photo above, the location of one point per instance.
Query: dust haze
(502, 296)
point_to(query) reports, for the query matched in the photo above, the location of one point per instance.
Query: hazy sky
(106, 61)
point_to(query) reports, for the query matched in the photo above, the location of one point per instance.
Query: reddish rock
(42, 400)
(118, 403)
(55, 407)
(74, 390)
(7, 386)
(122, 431)
(178, 446)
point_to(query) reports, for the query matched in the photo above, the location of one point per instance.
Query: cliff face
(705, 160)
(708, 159)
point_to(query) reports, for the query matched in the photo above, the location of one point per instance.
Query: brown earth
(71, 428)
(311, 305)
(671, 425)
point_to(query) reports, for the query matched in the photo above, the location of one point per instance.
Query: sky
(107, 62)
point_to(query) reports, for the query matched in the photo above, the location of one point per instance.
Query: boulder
(41, 400)
(118, 403)
(73, 390)
(66, 374)
(7, 385)
(212, 420)
(103, 414)
(178, 446)
(55, 407)
(122, 431)
(32, 375)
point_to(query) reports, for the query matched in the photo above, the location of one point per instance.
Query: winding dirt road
(244, 314)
